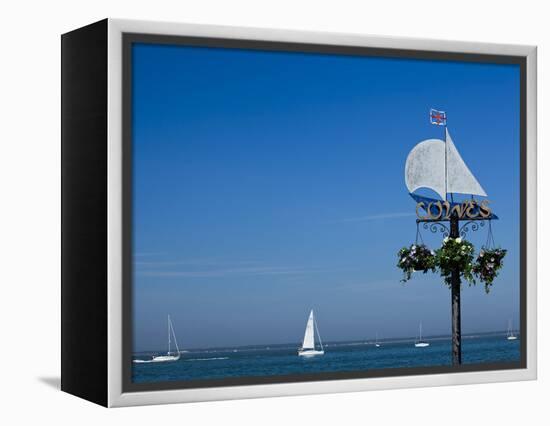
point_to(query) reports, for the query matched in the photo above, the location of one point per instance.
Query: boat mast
(169, 334)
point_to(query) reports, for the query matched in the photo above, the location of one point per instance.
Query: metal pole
(455, 277)
(455, 300)
(445, 140)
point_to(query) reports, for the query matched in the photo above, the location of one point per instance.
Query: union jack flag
(439, 118)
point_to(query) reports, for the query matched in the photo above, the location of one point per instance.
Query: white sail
(460, 179)
(309, 336)
(428, 166)
(171, 328)
(425, 167)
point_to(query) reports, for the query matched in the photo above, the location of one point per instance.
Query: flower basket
(455, 253)
(488, 264)
(417, 257)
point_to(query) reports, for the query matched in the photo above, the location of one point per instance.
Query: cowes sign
(443, 210)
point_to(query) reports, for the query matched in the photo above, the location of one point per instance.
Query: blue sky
(270, 183)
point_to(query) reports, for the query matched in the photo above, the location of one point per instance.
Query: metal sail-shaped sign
(460, 180)
(425, 167)
(437, 165)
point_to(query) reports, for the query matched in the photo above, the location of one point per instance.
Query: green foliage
(455, 253)
(488, 264)
(415, 258)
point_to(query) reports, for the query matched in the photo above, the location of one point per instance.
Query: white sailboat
(308, 345)
(377, 343)
(510, 334)
(421, 343)
(170, 356)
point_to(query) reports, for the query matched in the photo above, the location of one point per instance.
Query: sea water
(278, 360)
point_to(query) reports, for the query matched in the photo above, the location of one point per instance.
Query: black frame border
(128, 39)
(84, 234)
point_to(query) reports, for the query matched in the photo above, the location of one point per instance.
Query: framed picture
(251, 212)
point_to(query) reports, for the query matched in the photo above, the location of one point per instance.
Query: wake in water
(148, 361)
(206, 359)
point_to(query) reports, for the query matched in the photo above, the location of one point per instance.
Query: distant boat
(510, 334)
(421, 343)
(308, 345)
(169, 355)
(376, 343)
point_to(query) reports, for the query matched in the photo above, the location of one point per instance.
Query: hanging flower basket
(455, 253)
(417, 257)
(488, 264)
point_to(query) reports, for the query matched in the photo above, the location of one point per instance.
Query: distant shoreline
(334, 343)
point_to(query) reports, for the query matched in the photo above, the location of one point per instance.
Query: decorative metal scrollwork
(471, 225)
(435, 227)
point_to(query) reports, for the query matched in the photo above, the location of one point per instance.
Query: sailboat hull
(511, 338)
(421, 345)
(165, 358)
(160, 358)
(310, 352)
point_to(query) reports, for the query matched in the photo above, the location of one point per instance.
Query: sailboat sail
(173, 333)
(309, 336)
(460, 179)
(308, 345)
(425, 167)
(437, 165)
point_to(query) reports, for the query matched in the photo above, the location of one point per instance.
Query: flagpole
(454, 233)
(445, 139)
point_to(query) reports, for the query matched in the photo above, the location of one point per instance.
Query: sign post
(454, 230)
(456, 329)
(436, 164)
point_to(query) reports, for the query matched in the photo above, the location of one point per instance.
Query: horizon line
(370, 341)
